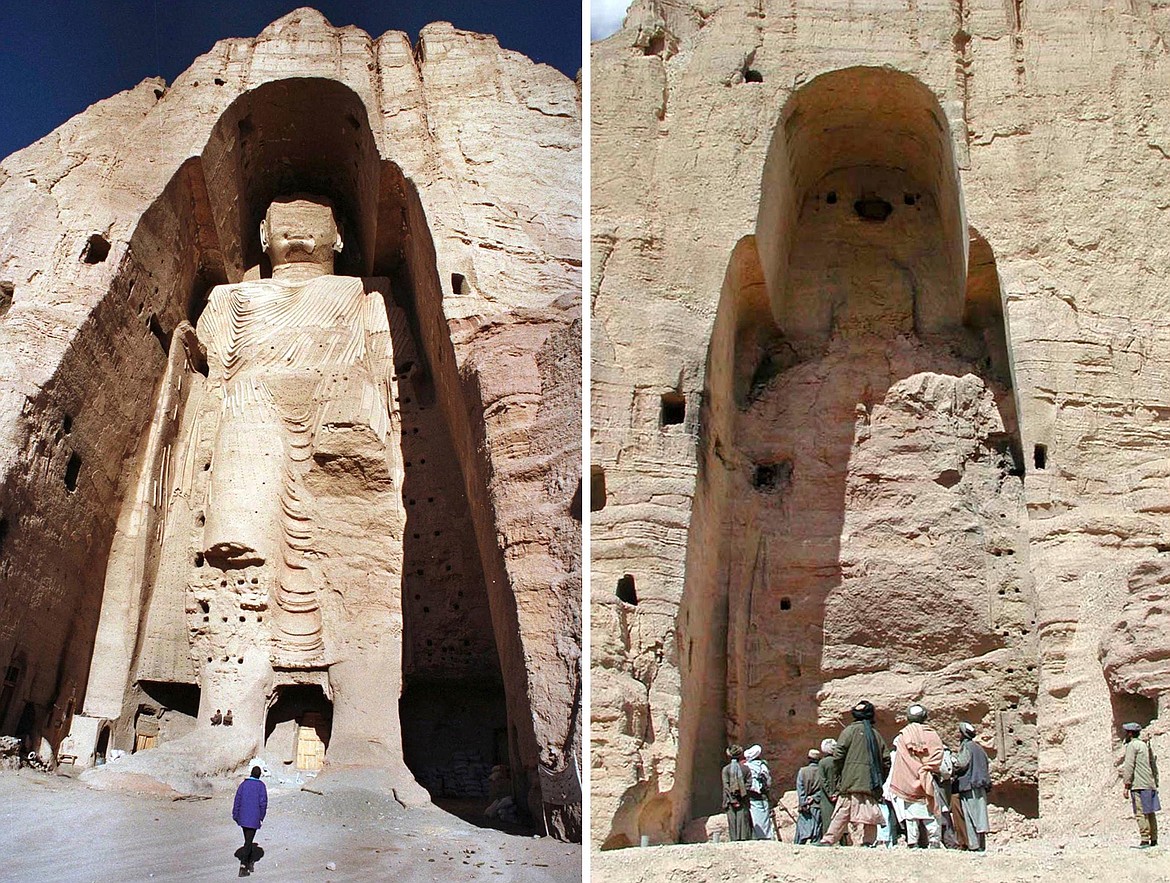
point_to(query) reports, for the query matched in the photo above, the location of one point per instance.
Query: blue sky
(57, 57)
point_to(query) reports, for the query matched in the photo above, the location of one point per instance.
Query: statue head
(299, 233)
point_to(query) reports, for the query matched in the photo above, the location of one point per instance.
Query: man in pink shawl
(918, 756)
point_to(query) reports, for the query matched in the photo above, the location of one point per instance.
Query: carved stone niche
(859, 452)
(294, 564)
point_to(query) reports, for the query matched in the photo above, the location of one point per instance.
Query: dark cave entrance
(298, 725)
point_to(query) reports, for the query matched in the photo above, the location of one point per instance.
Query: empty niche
(97, 249)
(596, 488)
(626, 590)
(674, 408)
(7, 290)
(459, 284)
(860, 182)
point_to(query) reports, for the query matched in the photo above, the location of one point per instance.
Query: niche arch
(859, 363)
(852, 138)
(307, 135)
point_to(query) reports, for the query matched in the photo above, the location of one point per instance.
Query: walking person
(808, 804)
(735, 796)
(918, 755)
(1139, 773)
(759, 781)
(862, 758)
(248, 812)
(973, 783)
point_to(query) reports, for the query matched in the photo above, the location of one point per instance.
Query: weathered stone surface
(454, 169)
(919, 456)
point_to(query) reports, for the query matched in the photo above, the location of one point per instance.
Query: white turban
(827, 746)
(753, 752)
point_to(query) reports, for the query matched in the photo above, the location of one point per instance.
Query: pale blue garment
(759, 781)
(763, 828)
(885, 834)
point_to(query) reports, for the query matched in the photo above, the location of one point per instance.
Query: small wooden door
(310, 747)
(143, 741)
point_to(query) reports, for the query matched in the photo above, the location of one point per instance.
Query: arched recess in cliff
(464, 690)
(859, 463)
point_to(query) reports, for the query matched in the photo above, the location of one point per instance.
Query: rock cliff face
(877, 391)
(454, 168)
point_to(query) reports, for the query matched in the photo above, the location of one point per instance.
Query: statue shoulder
(220, 293)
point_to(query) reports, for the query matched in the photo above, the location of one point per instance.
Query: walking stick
(776, 822)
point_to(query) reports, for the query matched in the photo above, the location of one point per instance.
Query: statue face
(300, 231)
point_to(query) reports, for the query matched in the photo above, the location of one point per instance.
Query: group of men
(917, 789)
(857, 786)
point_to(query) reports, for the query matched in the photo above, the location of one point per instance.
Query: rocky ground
(1081, 859)
(54, 828)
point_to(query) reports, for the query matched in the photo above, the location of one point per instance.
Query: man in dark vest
(972, 784)
(862, 759)
(735, 796)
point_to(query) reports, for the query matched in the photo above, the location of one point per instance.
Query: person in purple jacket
(248, 812)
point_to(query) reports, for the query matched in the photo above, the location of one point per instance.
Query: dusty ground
(1079, 860)
(57, 829)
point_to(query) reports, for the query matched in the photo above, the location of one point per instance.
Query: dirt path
(56, 829)
(1083, 860)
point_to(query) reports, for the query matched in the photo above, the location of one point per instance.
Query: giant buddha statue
(261, 559)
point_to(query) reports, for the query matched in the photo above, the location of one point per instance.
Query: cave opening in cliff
(96, 250)
(1131, 708)
(597, 490)
(72, 472)
(103, 746)
(626, 590)
(674, 408)
(882, 418)
(297, 727)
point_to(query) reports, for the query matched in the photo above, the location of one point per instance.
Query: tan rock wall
(1062, 175)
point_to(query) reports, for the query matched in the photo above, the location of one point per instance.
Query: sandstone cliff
(878, 397)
